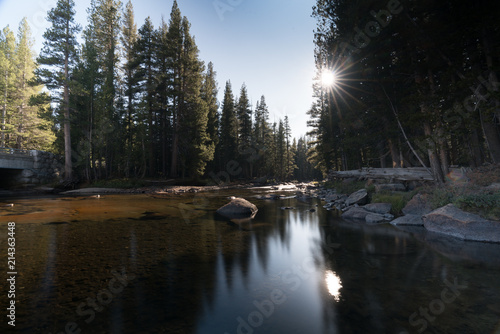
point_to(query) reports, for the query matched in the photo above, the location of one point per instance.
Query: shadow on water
(138, 264)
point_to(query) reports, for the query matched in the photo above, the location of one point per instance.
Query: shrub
(485, 175)
(440, 197)
(484, 203)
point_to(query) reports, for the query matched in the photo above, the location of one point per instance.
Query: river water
(169, 264)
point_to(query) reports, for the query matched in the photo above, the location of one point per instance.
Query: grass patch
(469, 197)
(397, 199)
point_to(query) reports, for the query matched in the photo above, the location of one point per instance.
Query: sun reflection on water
(334, 284)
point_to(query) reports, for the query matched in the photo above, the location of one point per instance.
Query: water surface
(168, 264)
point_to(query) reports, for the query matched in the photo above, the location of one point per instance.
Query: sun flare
(328, 78)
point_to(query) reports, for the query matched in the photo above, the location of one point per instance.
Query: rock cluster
(372, 213)
(413, 211)
(354, 206)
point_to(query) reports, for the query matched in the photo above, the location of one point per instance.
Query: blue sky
(266, 44)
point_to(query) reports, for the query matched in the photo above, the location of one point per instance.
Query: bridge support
(22, 167)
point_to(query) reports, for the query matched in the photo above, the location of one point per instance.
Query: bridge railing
(14, 151)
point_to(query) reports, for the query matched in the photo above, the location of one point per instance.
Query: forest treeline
(136, 102)
(416, 84)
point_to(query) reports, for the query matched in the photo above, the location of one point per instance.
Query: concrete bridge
(28, 167)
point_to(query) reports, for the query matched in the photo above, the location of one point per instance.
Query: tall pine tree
(228, 145)
(58, 57)
(7, 76)
(128, 40)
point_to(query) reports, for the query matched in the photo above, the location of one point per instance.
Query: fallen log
(395, 174)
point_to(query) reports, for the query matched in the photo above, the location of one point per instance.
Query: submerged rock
(452, 221)
(411, 220)
(271, 197)
(238, 208)
(374, 218)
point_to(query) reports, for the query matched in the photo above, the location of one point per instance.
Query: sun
(328, 78)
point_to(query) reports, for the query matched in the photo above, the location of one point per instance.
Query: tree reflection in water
(276, 274)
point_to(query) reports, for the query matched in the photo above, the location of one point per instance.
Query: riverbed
(166, 263)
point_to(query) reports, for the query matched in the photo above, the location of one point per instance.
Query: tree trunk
(395, 154)
(490, 127)
(4, 112)
(175, 142)
(443, 150)
(382, 154)
(437, 171)
(68, 168)
(476, 154)
(491, 133)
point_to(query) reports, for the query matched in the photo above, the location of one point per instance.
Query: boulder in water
(238, 208)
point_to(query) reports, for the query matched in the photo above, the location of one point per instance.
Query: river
(169, 264)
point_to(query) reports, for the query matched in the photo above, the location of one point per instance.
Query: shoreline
(152, 189)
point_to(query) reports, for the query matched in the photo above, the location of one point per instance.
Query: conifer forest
(398, 84)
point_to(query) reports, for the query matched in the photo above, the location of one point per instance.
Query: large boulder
(381, 208)
(356, 213)
(359, 197)
(418, 205)
(238, 208)
(333, 197)
(452, 221)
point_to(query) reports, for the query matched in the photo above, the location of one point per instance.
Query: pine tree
(261, 125)
(281, 148)
(146, 48)
(194, 145)
(7, 76)
(128, 40)
(29, 129)
(105, 21)
(244, 115)
(289, 150)
(261, 135)
(163, 91)
(58, 57)
(209, 93)
(88, 77)
(174, 43)
(228, 145)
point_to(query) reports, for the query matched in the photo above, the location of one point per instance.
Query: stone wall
(47, 167)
